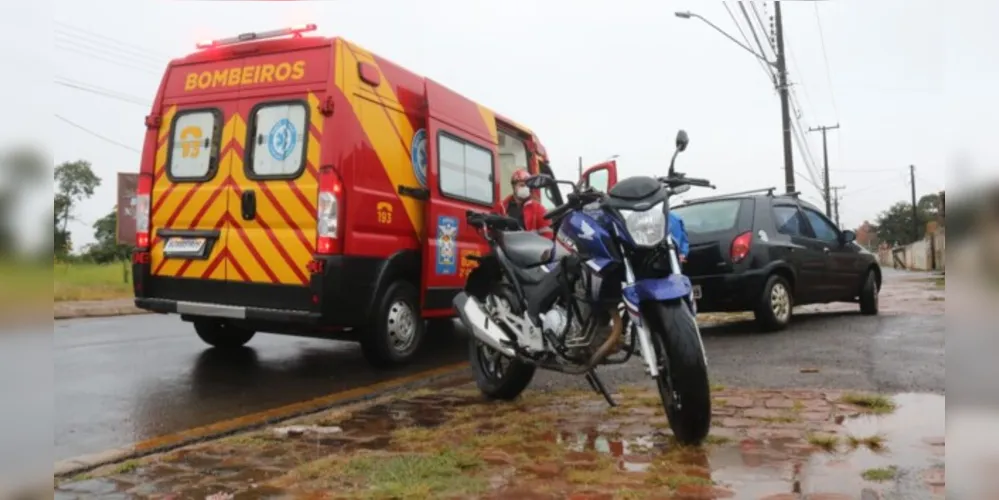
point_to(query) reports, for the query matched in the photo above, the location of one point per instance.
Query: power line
(132, 46)
(110, 60)
(825, 58)
(770, 74)
(95, 134)
(111, 51)
(103, 92)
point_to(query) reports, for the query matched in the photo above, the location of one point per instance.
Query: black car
(764, 252)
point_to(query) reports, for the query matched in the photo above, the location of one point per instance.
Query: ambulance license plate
(184, 246)
(697, 292)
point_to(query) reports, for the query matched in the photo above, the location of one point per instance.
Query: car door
(601, 176)
(461, 176)
(806, 253)
(843, 257)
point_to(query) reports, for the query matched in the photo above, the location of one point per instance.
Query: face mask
(523, 192)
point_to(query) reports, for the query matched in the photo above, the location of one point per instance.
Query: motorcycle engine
(581, 340)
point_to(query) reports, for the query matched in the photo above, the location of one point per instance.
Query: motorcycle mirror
(682, 140)
(683, 188)
(540, 181)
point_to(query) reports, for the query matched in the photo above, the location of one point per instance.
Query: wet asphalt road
(128, 379)
(901, 350)
(122, 380)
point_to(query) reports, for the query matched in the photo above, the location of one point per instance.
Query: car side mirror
(540, 181)
(682, 140)
(848, 236)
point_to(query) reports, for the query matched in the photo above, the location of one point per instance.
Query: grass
(874, 443)
(443, 474)
(126, 467)
(880, 474)
(23, 282)
(826, 442)
(90, 282)
(874, 403)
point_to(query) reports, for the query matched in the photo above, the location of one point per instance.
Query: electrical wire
(124, 56)
(95, 134)
(109, 60)
(82, 32)
(825, 58)
(93, 89)
(766, 69)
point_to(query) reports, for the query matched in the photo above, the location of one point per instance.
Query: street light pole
(781, 67)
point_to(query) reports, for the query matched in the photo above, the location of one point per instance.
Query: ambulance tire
(396, 331)
(222, 335)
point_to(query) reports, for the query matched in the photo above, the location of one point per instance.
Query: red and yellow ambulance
(302, 185)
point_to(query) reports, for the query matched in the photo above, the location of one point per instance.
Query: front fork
(644, 335)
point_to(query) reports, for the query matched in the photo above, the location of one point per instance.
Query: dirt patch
(453, 444)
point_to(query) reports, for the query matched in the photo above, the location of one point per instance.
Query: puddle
(758, 449)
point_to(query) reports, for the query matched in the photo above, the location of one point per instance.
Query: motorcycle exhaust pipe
(474, 316)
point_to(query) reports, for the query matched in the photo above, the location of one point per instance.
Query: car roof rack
(769, 192)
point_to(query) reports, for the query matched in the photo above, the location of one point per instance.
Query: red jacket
(532, 216)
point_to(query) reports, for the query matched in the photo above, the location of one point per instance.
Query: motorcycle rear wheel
(497, 376)
(683, 373)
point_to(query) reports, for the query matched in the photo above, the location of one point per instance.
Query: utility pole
(785, 106)
(915, 211)
(580, 167)
(825, 158)
(835, 190)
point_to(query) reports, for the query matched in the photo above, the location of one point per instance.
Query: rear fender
(481, 279)
(403, 265)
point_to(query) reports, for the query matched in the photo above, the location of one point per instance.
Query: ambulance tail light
(328, 211)
(294, 31)
(142, 212)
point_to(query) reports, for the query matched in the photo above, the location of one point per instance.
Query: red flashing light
(294, 31)
(740, 246)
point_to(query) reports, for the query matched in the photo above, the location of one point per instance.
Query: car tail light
(740, 246)
(328, 211)
(142, 212)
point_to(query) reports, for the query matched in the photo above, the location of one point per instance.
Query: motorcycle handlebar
(690, 181)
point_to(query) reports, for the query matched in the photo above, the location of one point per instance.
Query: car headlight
(648, 227)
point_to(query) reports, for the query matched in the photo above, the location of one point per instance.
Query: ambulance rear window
(278, 140)
(194, 145)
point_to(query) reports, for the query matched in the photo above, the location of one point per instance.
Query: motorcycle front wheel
(683, 372)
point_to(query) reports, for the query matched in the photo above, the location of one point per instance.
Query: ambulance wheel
(396, 330)
(221, 334)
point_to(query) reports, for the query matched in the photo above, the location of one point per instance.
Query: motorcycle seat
(526, 248)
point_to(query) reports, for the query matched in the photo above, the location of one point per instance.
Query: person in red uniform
(521, 206)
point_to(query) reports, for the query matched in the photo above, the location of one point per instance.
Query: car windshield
(709, 216)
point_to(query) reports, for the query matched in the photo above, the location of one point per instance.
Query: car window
(789, 221)
(466, 170)
(824, 230)
(195, 145)
(279, 135)
(709, 216)
(598, 179)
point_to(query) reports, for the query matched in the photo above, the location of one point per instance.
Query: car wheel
(396, 330)
(776, 304)
(869, 295)
(221, 334)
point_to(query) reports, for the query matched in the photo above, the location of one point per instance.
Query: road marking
(161, 443)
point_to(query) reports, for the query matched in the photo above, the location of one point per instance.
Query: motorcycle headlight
(648, 227)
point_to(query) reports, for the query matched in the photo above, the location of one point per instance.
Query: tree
(894, 226)
(60, 237)
(75, 182)
(106, 248)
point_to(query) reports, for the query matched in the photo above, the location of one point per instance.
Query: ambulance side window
(194, 145)
(512, 156)
(466, 170)
(278, 136)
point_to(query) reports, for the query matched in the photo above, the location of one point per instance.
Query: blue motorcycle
(534, 303)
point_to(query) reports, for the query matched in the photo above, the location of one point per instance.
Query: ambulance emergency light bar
(295, 31)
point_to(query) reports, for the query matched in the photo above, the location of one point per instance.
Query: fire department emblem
(447, 244)
(418, 156)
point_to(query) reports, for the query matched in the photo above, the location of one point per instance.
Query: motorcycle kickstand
(598, 387)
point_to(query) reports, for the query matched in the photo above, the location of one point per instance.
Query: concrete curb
(441, 377)
(70, 310)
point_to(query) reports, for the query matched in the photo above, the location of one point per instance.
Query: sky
(909, 82)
